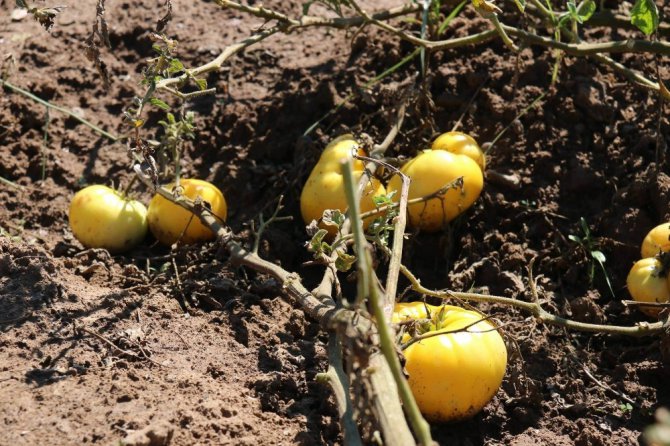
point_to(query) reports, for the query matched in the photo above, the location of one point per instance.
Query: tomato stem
(126, 190)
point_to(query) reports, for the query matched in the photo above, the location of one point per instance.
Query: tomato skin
(167, 220)
(453, 376)
(324, 188)
(657, 240)
(430, 171)
(646, 284)
(101, 218)
(461, 144)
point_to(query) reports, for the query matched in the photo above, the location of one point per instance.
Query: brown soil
(226, 358)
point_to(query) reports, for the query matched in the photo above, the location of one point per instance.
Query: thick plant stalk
(386, 404)
(368, 288)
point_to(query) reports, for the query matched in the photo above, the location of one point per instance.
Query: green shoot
(590, 246)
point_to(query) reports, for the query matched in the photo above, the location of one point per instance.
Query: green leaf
(586, 9)
(333, 217)
(175, 66)
(383, 200)
(202, 83)
(644, 15)
(344, 261)
(585, 228)
(572, 9)
(160, 104)
(316, 244)
(602, 266)
(599, 256)
(575, 238)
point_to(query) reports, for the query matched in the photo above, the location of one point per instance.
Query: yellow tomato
(429, 172)
(647, 283)
(325, 186)
(170, 222)
(657, 240)
(453, 376)
(101, 217)
(461, 144)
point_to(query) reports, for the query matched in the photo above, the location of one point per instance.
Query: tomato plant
(461, 144)
(101, 217)
(657, 240)
(324, 188)
(431, 171)
(647, 282)
(455, 374)
(170, 222)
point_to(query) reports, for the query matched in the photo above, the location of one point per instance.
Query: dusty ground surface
(236, 364)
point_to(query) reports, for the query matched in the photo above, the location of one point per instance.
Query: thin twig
(338, 380)
(472, 100)
(110, 343)
(635, 303)
(379, 149)
(465, 329)
(534, 308)
(9, 183)
(265, 223)
(518, 116)
(215, 64)
(14, 88)
(593, 50)
(602, 385)
(311, 21)
(16, 319)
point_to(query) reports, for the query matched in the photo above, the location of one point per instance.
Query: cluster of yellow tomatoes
(454, 166)
(101, 217)
(648, 279)
(459, 361)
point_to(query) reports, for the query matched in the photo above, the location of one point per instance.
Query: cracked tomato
(455, 374)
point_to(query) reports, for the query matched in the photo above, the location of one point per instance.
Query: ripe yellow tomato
(101, 217)
(647, 283)
(657, 240)
(453, 376)
(461, 144)
(429, 172)
(170, 222)
(324, 188)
